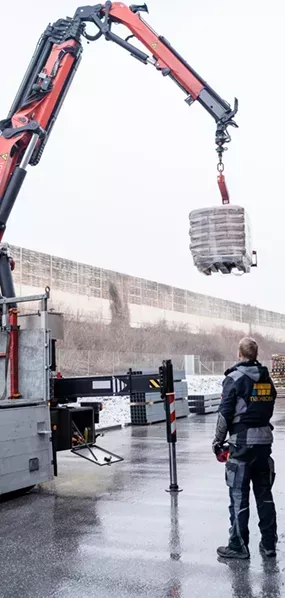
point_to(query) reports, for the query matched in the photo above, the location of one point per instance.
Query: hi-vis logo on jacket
(261, 392)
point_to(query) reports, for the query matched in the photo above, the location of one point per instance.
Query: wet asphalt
(114, 532)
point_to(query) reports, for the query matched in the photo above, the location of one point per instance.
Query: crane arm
(163, 56)
(25, 131)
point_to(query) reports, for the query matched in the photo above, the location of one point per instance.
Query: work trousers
(245, 465)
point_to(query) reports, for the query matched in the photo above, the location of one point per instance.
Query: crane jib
(50, 74)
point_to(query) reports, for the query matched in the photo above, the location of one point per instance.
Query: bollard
(167, 394)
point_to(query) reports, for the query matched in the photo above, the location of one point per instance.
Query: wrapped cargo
(278, 370)
(220, 239)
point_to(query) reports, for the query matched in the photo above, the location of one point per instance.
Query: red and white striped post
(168, 395)
(172, 415)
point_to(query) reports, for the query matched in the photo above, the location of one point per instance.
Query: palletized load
(278, 370)
(220, 239)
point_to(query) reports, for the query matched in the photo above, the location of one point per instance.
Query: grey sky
(128, 159)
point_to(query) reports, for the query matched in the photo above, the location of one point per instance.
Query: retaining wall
(85, 290)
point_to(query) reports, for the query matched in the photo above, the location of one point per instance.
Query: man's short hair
(248, 348)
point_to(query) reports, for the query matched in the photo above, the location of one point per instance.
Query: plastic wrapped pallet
(278, 370)
(220, 239)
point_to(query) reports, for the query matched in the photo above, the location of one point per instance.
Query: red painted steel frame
(14, 354)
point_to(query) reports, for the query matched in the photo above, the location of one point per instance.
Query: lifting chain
(220, 142)
(220, 165)
(221, 179)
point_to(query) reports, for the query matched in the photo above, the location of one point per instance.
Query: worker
(246, 407)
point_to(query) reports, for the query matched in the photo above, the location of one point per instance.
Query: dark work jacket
(247, 405)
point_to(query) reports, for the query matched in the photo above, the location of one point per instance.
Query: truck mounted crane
(23, 137)
(25, 131)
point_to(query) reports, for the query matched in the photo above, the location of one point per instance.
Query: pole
(14, 353)
(167, 394)
(47, 343)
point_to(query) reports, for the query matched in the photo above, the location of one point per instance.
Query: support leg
(11, 320)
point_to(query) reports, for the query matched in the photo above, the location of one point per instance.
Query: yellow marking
(262, 386)
(154, 45)
(262, 389)
(4, 157)
(154, 383)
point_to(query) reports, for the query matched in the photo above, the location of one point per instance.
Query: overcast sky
(128, 159)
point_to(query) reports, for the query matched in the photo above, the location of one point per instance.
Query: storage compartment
(62, 419)
(25, 447)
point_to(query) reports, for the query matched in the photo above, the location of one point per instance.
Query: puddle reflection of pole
(174, 586)
(174, 540)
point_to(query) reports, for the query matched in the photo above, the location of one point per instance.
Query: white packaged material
(220, 239)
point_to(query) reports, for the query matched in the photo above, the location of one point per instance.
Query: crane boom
(25, 131)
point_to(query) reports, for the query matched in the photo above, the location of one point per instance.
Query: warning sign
(4, 156)
(154, 383)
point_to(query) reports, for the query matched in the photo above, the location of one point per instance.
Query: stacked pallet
(202, 404)
(278, 371)
(220, 239)
(149, 408)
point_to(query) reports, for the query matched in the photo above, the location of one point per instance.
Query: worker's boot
(269, 551)
(226, 552)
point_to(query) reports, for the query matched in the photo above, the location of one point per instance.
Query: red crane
(25, 131)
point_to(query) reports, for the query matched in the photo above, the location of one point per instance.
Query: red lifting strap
(223, 188)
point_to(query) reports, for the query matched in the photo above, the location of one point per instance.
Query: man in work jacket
(245, 411)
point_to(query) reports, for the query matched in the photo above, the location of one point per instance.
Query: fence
(83, 363)
(217, 368)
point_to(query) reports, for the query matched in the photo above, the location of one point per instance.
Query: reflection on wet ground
(115, 532)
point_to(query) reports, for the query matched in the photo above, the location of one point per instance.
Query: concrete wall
(84, 290)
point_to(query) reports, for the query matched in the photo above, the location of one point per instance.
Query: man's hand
(221, 450)
(220, 434)
(216, 447)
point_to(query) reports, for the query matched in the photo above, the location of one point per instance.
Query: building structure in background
(84, 290)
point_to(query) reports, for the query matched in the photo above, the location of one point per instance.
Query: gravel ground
(204, 384)
(116, 411)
